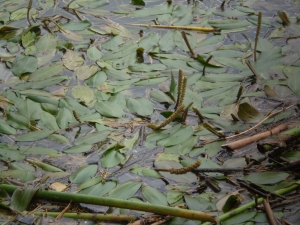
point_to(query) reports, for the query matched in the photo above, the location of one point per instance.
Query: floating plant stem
(206, 62)
(200, 116)
(186, 40)
(213, 130)
(204, 29)
(239, 95)
(251, 68)
(168, 120)
(257, 34)
(28, 11)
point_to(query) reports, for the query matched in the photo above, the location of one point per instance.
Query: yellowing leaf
(83, 93)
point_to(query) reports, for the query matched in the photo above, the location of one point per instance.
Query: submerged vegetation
(186, 109)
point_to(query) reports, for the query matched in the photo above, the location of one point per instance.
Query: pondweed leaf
(83, 174)
(24, 64)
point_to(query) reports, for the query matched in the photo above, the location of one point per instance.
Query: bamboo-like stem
(119, 203)
(257, 34)
(204, 29)
(206, 62)
(92, 216)
(168, 120)
(186, 40)
(179, 87)
(251, 204)
(28, 11)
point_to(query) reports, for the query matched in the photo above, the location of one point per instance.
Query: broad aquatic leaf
(185, 147)
(265, 177)
(41, 84)
(6, 129)
(125, 190)
(47, 71)
(85, 72)
(247, 113)
(49, 120)
(113, 107)
(146, 67)
(93, 138)
(92, 4)
(99, 189)
(116, 74)
(76, 26)
(166, 43)
(10, 154)
(44, 166)
(34, 135)
(151, 81)
(24, 64)
(21, 198)
(177, 137)
(64, 116)
(83, 174)
(154, 196)
(153, 11)
(160, 97)
(46, 42)
(78, 149)
(140, 106)
(93, 53)
(72, 60)
(83, 93)
(34, 150)
(22, 175)
(111, 158)
(97, 79)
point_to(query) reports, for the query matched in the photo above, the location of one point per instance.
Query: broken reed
(181, 170)
(257, 34)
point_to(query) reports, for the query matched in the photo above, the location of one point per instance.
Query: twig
(205, 64)
(61, 214)
(204, 29)
(257, 34)
(252, 69)
(269, 212)
(200, 116)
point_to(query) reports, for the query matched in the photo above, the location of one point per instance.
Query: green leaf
(99, 189)
(116, 74)
(37, 150)
(46, 42)
(160, 97)
(47, 71)
(78, 149)
(34, 136)
(64, 116)
(138, 2)
(41, 84)
(93, 138)
(140, 106)
(83, 93)
(97, 79)
(111, 158)
(112, 43)
(166, 43)
(18, 121)
(49, 120)
(151, 81)
(59, 138)
(71, 104)
(142, 171)
(72, 60)
(11, 155)
(92, 4)
(185, 147)
(24, 64)
(83, 174)
(149, 41)
(93, 53)
(22, 175)
(240, 218)
(113, 107)
(146, 67)
(125, 190)
(21, 198)
(6, 129)
(154, 196)
(266, 177)
(177, 137)
(229, 24)
(76, 26)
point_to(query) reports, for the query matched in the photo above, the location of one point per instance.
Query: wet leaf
(97, 79)
(125, 190)
(166, 43)
(240, 218)
(151, 81)
(6, 129)
(63, 117)
(78, 149)
(83, 174)
(186, 147)
(49, 120)
(146, 67)
(266, 177)
(140, 106)
(92, 4)
(248, 113)
(137, 169)
(83, 93)
(84, 72)
(72, 60)
(44, 166)
(112, 108)
(160, 97)
(138, 2)
(93, 53)
(112, 158)
(46, 42)
(34, 150)
(22, 175)
(24, 64)
(116, 74)
(34, 135)
(76, 26)
(9, 154)
(177, 137)
(93, 138)
(47, 71)
(99, 189)
(21, 198)
(154, 196)
(153, 11)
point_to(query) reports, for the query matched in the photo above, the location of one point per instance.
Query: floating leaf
(11, 155)
(76, 26)
(44, 166)
(49, 120)
(64, 116)
(78, 149)
(247, 112)
(47, 71)
(160, 97)
(83, 93)
(99, 189)
(34, 136)
(85, 72)
(93, 138)
(112, 158)
(21, 198)
(266, 177)
(72, 60)
(93, 53)
(177, 137)
(154, 196)
(83, 174)
(140, 106)
(125, 190)
(24, 64)
(6, 129)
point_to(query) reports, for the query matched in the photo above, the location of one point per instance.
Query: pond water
(86, 86)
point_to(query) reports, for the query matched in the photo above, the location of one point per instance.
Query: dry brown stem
(246, 141)
(269, 212)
